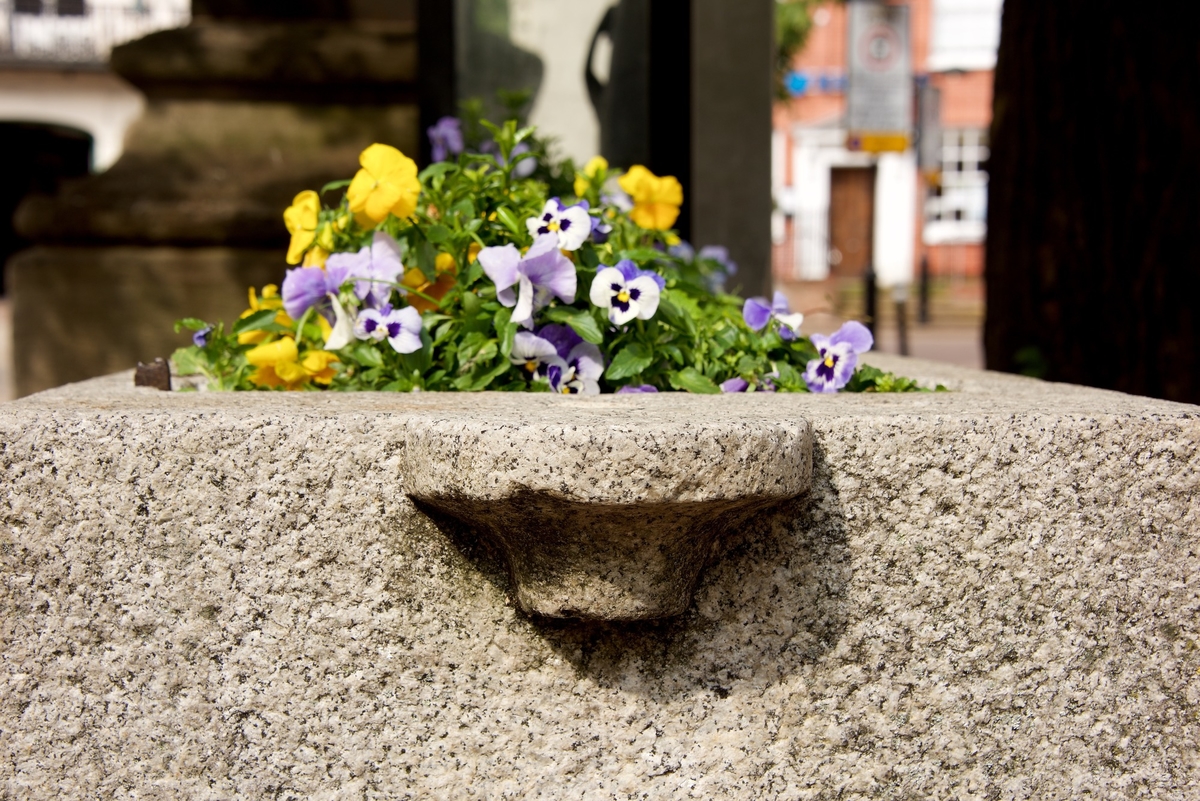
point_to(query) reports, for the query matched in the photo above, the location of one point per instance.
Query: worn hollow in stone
(602, 510)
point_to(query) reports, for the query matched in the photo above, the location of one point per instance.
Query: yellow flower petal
(656, 201)
(386, 184)
(595, 165)
(316, 365)
(301, 221)
(415, 279)
(265, 377)
(654, 216)
(292, 373)
(444, 263)
(273, 353)
(316, 257)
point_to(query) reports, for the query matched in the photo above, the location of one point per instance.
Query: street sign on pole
(929, 132)
(879, 97)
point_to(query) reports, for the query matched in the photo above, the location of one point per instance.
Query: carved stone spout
(605, 508)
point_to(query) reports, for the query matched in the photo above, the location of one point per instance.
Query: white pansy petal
(588, 361)
(618, 317)
(343, 328)
(531, 347)
(410, 318)
(602, 286)
(523, 313)
(406, 341)
(792, 321)
(575, 225)
(647, 296)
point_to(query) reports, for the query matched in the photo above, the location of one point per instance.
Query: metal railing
(73, 32)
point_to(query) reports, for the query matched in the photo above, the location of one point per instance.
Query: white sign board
(880, 94)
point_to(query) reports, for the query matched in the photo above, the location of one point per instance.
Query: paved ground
(6, 374)
(955, 336)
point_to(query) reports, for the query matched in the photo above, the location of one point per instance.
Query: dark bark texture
(1093, 254)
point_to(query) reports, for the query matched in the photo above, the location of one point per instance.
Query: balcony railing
(80, 32)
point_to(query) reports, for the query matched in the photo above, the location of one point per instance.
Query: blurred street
(954, 333)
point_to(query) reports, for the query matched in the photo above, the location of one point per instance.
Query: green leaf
(421, 360)
(580, 320)
(464, 208)
(510, 222)
(674, 316)
(506, 330)
(487, 376)
(437, 234)
(629, 361)
(365, 353)
(255, 322)
(427, 259)
(435, 170)
(189, 360)
(692, 380)
(588, 256)
(643, 255)
(332, 185)
(190, 323)
(471, 303)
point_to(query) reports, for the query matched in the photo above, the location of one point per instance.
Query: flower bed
(475, 274)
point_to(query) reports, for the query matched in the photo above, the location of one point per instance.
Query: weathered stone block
(78, 312)
(989, 593)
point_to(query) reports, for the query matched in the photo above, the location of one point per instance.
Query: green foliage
(695, 340)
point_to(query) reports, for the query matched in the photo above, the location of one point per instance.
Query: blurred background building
(839, 211)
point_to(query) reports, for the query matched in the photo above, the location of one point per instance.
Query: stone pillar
(248, 105)
(732, 43)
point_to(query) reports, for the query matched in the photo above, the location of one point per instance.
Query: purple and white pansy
(533, 354)
(376, 269)
(627, 292)
(765, 383)
(400, 327)
(572, 224)
(581, 366)
(838, 357)
(757, 314)
(306, 288)
(560, 356)
(527, 283)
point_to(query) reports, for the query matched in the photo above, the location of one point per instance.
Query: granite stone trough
(989, 593)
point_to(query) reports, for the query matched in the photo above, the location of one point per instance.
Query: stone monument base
(989, 593)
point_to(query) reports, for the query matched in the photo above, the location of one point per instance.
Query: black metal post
(435, 67)
(923, 308)
(870, 299)
(900, 298)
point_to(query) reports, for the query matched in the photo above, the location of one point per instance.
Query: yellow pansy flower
(301, 221)
(587, 176)
(270, 300)
(279, 365)
(386, 184)
(656, 201)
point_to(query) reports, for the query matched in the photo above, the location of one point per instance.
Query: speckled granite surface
(988, 594)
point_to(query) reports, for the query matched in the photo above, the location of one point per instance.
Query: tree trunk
(1093, 254)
